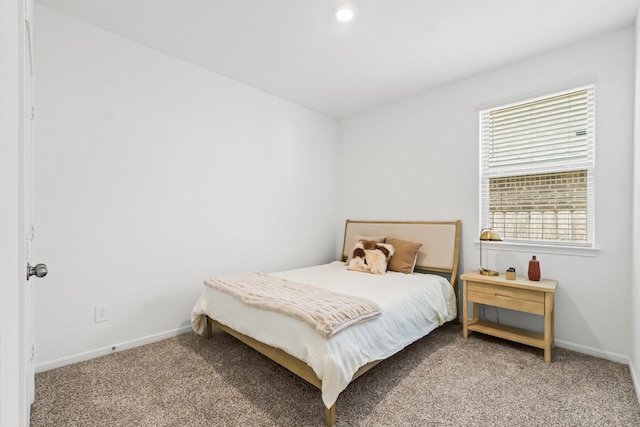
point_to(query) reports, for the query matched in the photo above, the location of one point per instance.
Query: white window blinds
(537, 160)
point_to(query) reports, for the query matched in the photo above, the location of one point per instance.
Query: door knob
(40, 270)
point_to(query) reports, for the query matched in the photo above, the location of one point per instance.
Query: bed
(413, 300)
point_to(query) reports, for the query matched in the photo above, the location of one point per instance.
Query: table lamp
(488, 235)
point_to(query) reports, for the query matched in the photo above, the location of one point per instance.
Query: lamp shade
(490, 235)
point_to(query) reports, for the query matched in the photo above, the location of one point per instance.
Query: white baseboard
(634, 378)
(92, 354)
(602, 354)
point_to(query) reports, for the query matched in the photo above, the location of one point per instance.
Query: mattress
(412, 306)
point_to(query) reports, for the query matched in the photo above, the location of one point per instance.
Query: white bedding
(412, 306)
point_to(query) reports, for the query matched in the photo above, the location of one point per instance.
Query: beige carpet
(442, 380)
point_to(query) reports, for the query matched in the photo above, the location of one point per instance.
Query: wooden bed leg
(208, 329)
(330, 415)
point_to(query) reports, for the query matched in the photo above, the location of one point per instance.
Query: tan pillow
(379, 239)
(404, 256)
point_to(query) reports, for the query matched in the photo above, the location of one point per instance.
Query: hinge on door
(33, 352)
(33, 112)
(32, 232)
(27, 10)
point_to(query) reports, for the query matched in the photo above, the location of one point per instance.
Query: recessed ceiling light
(345, 13)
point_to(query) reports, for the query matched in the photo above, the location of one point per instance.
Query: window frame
(485, 173)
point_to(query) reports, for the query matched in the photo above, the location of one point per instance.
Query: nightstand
(520, 294)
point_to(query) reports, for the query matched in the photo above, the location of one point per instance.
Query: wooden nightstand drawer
(500, 296)
(507, 302)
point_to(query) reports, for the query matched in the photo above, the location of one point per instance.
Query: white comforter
(412, 306)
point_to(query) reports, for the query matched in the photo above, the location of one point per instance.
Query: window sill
(539, 248)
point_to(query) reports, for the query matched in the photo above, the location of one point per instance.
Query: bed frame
(439, 254)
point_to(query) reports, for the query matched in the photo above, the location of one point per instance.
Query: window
(536, 169)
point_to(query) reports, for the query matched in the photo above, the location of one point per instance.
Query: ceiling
(297, 50)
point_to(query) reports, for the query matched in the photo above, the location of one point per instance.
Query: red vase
(534, 269)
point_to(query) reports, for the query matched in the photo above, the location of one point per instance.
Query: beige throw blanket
(327, 311)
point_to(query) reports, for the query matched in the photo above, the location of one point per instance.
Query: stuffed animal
(370, 257)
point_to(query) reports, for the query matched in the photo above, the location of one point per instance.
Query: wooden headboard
(440, 242)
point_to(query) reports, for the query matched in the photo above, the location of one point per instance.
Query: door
(28, 179)
(13, 402)
(16, 138)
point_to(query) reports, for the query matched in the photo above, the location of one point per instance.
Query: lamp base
(488, 272)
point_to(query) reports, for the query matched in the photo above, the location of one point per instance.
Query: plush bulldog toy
(370, 257)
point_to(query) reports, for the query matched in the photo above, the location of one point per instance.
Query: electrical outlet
(102, 313)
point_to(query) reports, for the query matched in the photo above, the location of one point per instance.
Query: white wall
(635, 235)
(153, 174)
(418, 160)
